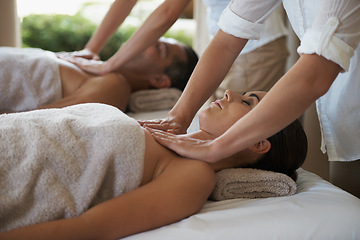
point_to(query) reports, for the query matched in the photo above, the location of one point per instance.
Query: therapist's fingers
(70, 58)
(85, 53)
(152, 121)
(182, 144)
(91, 66)
(169, 125)
(78, 60)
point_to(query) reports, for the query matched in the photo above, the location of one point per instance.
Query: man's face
(157, 57)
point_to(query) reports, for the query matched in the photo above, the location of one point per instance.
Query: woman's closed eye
(251, 100)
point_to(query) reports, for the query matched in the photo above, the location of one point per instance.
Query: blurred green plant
(70, 33)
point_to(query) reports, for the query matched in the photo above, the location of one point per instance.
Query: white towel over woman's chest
(57, 163)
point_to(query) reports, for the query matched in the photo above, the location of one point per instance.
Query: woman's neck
(202, 135)
(157, 157)
(242, 158)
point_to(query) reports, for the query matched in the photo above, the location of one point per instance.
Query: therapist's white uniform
(262, 62)
(329, 28)
(274, 25)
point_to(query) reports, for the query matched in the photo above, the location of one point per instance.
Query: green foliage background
(70, 33)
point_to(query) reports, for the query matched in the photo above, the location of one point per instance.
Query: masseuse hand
(168, 124)
(85, 53)
(185, 146)
(91, 66)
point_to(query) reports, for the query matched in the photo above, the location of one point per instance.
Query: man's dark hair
(179, 71)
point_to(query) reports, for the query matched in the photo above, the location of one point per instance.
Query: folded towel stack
(251, 183)
(153, 99)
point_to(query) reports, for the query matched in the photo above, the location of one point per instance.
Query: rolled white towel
(251, 183)
(153, 99)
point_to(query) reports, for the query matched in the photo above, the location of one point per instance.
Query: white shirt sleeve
(244, 19)
(335, 32)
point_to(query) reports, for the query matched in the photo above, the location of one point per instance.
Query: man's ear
(261, 147)
(160, 81)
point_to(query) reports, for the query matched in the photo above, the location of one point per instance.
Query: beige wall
(9, 24)
(201, 39)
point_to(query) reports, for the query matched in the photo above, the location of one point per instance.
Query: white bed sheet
(318, 210)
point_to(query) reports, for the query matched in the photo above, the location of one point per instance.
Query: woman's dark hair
(179, 71)
(288, 151)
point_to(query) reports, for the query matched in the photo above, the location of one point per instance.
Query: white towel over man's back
(29, 78)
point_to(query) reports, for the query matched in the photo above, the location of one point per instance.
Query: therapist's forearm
(211, 69)
(117, 13)
(151, 30)
(309, 79)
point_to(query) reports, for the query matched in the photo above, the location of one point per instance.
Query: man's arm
(110, 89)
(181, 190)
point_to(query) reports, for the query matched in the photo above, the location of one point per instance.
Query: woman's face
(223, 113)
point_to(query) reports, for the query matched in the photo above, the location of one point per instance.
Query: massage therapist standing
(151, 30)
(328, 72)
(154, 27)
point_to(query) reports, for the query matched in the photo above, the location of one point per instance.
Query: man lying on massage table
(33, 78)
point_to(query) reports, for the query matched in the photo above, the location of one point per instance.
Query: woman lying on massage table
(157, 187)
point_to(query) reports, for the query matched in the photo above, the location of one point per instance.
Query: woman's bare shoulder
(193, 174)
(170, 162)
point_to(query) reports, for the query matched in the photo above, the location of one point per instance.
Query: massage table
(318, 210)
